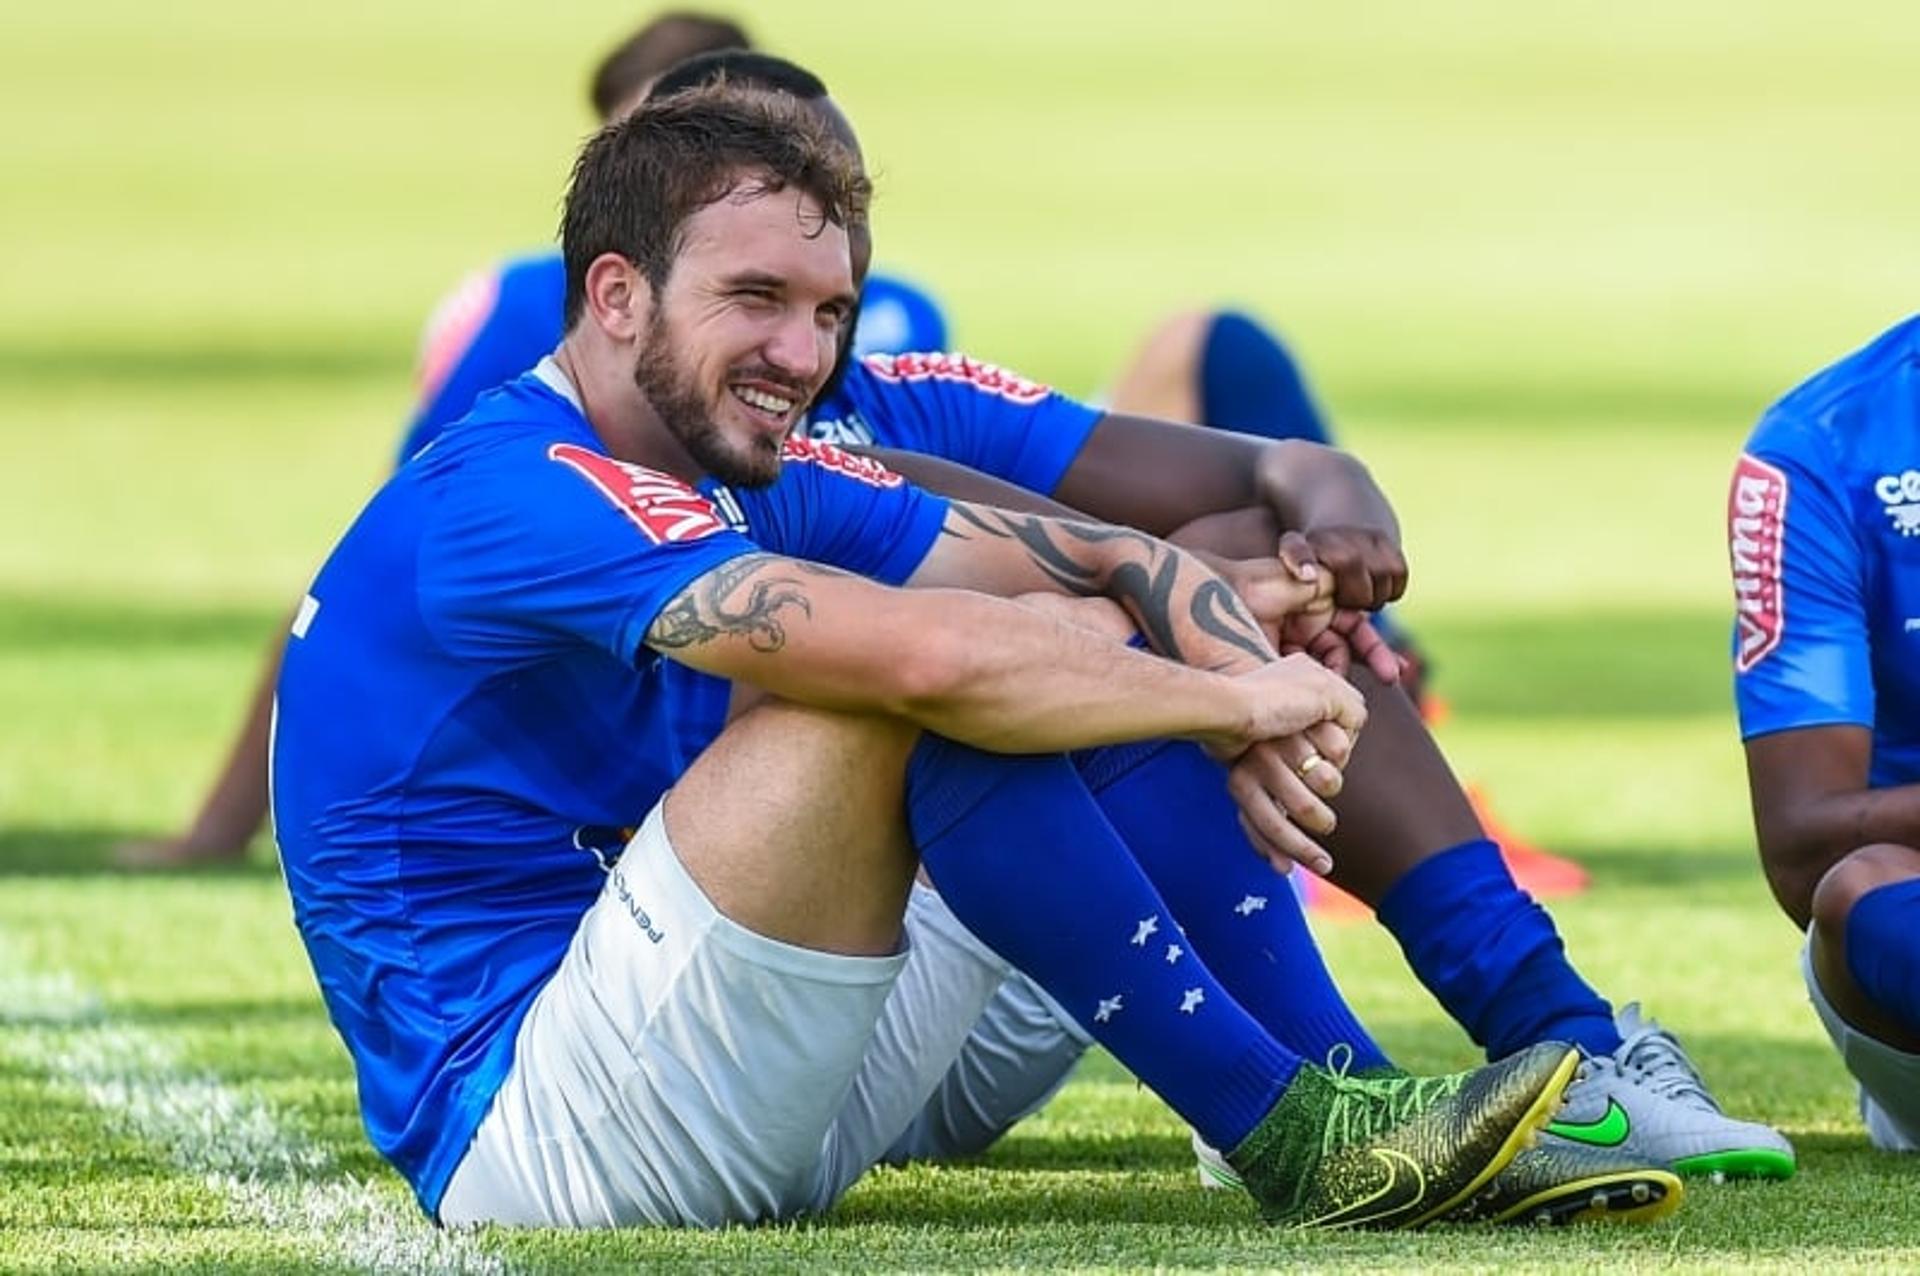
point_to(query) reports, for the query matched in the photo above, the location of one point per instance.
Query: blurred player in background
(1824, 530)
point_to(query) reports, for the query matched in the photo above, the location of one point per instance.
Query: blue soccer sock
(1023, 856)
(1169, 803)
(1249, 383)
(1491, 955)
(1883, 950)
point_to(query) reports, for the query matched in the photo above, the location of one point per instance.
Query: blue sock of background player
(1168, 801)
(1491, 955)
(1009, 839)
(1883, 953)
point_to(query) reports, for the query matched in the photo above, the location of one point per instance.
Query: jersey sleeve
(1800, 643)
(555, 544)
(847, 511)
(492, 327)
(974, 413)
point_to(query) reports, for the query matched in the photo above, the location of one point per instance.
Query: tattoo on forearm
(743, 597)
(1146, 587)
(1217, 610)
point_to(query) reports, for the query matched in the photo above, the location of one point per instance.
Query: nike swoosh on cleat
(1366, 1210)
(1610, 1131)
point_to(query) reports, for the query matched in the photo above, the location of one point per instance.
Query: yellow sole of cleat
(1525, 1131)
(1641, 1196)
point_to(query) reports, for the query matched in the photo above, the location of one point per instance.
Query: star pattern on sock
(1250, 905)
(1191, 1002)
(1145, 930)
(1174, 953)
(1109, 1007)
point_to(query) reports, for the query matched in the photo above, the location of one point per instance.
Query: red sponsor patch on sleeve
(660, 505)
(1756, 542)
(862, 468)
(1010, 386)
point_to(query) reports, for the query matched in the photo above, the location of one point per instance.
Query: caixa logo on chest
(1900, 494)
(1756, 535)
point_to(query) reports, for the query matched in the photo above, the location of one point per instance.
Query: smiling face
(745, 330)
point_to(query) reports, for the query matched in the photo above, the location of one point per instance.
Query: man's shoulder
(1860, 412)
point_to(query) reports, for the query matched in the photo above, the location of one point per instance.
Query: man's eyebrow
(778, 283)
(756, 279)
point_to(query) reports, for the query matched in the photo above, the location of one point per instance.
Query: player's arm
(1185, 611)
(1160, 475)
(1237, 546)
(1812, 807)
(976, 668)
(1803, 680)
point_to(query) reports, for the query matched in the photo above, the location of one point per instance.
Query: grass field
(1546, 264)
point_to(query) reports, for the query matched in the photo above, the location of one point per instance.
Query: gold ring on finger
(1312, 760)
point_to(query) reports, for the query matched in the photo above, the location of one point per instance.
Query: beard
(675, 399)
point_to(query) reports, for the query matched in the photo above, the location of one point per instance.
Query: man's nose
(794, 347)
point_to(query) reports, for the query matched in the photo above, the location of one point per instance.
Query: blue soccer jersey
(950, 406)
(1824, 529)
(467, 718)
(498, 323)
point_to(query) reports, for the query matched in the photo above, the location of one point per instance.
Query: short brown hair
(639, 179)
(663, 43)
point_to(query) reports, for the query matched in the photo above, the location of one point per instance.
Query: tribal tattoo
(1146, 587)
(743, 597)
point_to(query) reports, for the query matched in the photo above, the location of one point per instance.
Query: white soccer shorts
(681, 1070)
(1889, 1079)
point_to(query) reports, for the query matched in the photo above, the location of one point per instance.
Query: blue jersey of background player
(1824, 529)
(499, 323)
(445, 822)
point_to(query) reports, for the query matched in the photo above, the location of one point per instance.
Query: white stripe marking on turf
(266, 1171)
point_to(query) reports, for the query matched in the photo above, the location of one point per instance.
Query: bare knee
(792, 823)
(1162, 378)
(1857, 873)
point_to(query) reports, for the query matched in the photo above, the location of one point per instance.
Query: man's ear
(618, 298)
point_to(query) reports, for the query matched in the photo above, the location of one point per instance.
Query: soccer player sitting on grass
(1408, 843)
(1824, 529)
(491, 671)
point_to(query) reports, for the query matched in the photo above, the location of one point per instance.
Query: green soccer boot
(1396, 1152)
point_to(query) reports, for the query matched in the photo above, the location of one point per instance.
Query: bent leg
(1410, 845)
(1865, 942)
(1224, 369)
(1862, 964)
(687, 1061)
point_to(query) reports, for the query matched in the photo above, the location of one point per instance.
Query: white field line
(268, 1173)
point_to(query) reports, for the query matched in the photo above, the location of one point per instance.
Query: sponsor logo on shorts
(1010, 386)
(660, 505)
(641, 917)
(1756, 525)
(861, 468)
(1900, 494)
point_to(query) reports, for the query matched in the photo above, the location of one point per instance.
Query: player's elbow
(1792, 881)
(1796, 853)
